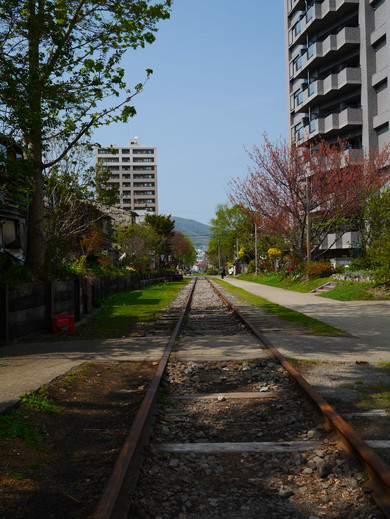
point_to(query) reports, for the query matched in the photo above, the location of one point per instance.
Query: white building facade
(133, 169)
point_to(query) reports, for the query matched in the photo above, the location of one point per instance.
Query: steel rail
(374, 465)
(115, 501)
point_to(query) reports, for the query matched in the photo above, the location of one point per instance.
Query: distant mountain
(199, 233)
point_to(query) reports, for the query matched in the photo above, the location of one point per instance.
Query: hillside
(199, 233)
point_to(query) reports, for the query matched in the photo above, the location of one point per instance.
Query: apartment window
(143, 168)
(108, 159)
(143, 184)
(310, 50)
(309, 14)
(143, 176)
(113, 168)
(296, 64)
(299, 131)
(313, 125)
(298, 97)
(143, 152)
(126, 175)
(146, 201)
(105, 151)
(114, 176)
(126, 192)
(297, 28)
(125, 151)
(125, 159)
(143, 193)
(126, 168)
(126, 201)
(311, 88)
(150, 209)
(126, 184)
(144, 160)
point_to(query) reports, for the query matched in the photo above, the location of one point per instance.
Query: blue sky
(218, 84)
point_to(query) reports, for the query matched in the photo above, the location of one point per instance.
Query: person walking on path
(222, 272)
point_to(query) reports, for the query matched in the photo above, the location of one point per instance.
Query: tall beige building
(134, 169)
(338, 64)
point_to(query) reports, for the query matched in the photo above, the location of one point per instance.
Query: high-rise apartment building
(134, 170)
(338, 65)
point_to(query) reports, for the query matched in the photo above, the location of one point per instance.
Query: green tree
(183, 251)
(375, 235)
(164, 227)
(74, 194)
(230, 230)
(59, 65)
(137, 245)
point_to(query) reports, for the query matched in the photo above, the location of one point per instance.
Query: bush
(319, 270)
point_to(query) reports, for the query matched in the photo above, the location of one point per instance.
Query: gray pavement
(26, 367)
(368, 323)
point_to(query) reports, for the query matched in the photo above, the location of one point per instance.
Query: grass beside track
(344, 291)
(124, 310)
(315, 326)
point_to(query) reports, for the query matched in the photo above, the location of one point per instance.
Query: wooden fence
(31, 306)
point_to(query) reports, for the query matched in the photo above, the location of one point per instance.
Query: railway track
(234, 437)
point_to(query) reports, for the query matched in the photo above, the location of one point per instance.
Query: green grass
(38, 402)
(344, 291)
(124, 310)
(352, 291)
(274, 279)
(16, 425)
(311, 324)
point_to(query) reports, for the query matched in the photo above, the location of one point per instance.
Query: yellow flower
(274, 252)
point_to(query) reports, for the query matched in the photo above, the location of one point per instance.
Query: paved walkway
(26, 367)
(368, 322)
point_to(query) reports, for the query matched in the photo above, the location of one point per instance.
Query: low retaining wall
(30, 306)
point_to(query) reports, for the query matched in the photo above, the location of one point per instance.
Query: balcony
(349, 117)
(331, 85)
(320, 13)
(344, 40)
(346, 241)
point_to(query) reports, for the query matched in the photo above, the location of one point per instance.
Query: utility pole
(219, 254)
(256, 248)
(308, 221)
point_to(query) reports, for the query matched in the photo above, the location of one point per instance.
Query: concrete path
(368, 322)
(26, 367)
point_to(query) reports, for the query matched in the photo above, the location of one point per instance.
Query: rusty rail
(374, 465)
(115, 501)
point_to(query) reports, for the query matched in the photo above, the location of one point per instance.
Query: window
(310, 50)
(311, 88)
(144, 193)
(113, 168)
(126, 184)
(114, 176)
(313, 125)
(296, 65)
(146, 201)
(105, 151)
(144, 160)
(108, 159)
(143, 168)
(143, 184)
(126, 175)
(297, 28)
(143, 152)
(143, 176)
(125, 151)
(298, 97)
(125, 159)
(126, 192)
(309, 14)
(126, 201)
(125, 168)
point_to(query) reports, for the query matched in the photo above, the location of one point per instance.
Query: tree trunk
(33, 141)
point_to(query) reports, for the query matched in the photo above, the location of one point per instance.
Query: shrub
(319, 270)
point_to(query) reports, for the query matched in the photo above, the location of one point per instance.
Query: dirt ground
(57, 451)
